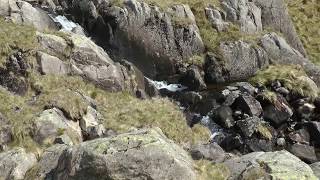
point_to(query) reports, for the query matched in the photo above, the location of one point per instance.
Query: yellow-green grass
(288, 75)
(208, 170)
(306, 17)
(15, 38)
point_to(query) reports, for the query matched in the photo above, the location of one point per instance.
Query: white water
(170, 87)
(66, 24)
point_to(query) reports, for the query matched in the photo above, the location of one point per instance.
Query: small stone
(223, 116)
(248, 126)
(248, 104)
(283, 91)
(63, 139)
(305, 152)
(281, 142)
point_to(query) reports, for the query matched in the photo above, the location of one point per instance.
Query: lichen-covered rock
(145, 154)
(15, 163)
(275, 165)
(316, 169)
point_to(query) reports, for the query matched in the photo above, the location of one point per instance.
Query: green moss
(306, 17)
(14, 38)
(289, 76)
(197, 60)
(207, 170)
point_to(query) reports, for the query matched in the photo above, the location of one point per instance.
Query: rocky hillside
(150, 89)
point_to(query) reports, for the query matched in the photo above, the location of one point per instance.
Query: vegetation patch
(306, 17)
(15, 38)
(289, 76)
(208, 170)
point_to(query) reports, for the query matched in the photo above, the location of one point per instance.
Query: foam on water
(164, 85)
(66, 24)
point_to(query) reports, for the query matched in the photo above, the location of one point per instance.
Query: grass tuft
(208, 170)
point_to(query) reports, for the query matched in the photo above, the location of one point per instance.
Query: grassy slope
(121, 110)
(306, 17)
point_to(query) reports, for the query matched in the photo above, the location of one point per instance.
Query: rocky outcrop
(239, 60)
(137, 155)
(155, 40)
(275, 165)
(15, 163)
(78, 55)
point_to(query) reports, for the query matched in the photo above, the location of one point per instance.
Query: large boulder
(15, 163)
(144, 154)
(239, 60)
(269, 165)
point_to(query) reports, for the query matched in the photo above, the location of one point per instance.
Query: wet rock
(15, 163)
(52, 123)
(5, 133)
(193, 79)
(52, 65)
(314, 131)
(117, 158)
(231, 142)
(212, 152)
(305, 152)
(283, 91)
(223, 116)
(275, 165)
(305, 111)
(249, 126)
(256, 144)
(248, 104)
(246, 87)
(277, 113)
(316, 169)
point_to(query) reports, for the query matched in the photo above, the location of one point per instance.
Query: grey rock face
(274, 14)
(153, 39)
(15, 163)
(193, 79)
(240, 61)
(144, 154)
(244, 13)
